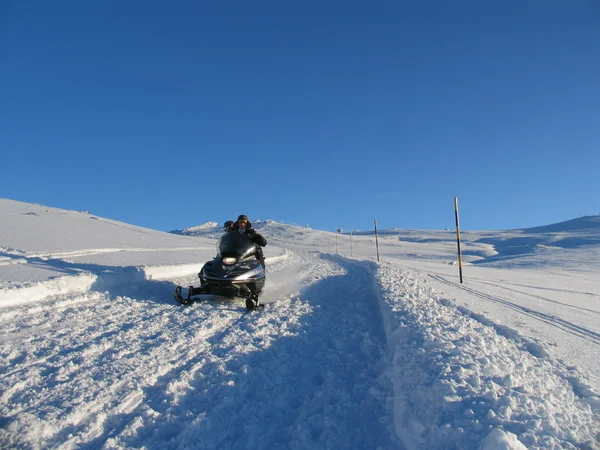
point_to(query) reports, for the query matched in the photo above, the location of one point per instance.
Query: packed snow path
(127, 367)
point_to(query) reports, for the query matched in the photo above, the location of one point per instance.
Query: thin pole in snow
(376, 239)
(458, 239)
(351, 244)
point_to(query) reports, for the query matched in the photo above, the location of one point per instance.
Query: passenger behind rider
(243, 225)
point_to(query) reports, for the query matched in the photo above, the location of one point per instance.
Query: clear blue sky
(170, 114)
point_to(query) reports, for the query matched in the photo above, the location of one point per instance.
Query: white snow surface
(348, 352)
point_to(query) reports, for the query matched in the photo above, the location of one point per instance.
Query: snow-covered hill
(585, 223)
(348, 352)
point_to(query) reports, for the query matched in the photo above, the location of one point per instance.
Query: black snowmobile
(234, 272)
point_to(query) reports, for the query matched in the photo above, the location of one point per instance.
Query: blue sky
(321, 113)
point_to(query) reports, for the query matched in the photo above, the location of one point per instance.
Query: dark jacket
(256, 237)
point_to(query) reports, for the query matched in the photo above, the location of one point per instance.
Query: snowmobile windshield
(235, 245)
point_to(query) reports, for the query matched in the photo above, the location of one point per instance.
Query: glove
(251, 232)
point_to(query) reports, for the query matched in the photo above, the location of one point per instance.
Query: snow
(348, 352)
(208, 226)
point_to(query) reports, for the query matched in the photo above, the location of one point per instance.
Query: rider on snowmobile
(243, 225)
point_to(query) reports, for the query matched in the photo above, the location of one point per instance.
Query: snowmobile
(234, 272)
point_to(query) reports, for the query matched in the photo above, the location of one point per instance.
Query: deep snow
(347, 353)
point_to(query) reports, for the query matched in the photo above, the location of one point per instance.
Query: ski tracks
(460, 378)
(303, 373)
(127, 368)
(551, 319)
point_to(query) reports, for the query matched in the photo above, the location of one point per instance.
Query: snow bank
(171, 271)
(104, 280)
(459, 383)
(39, 291)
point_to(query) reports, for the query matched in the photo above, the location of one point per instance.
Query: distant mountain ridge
(584, 223)
(212, 227)
(208, 226)
(587, 223)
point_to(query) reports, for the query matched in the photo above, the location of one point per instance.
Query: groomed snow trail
(124, 366)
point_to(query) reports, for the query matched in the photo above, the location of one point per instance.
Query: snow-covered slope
(585, 223)
(347, 353)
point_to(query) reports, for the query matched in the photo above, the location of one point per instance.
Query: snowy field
(347, 353)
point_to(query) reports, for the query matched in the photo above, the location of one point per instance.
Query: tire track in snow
(207, 356)
(137, 369)
(502, 284)
(546, 299)
(98, 357)
(564, 325)
(454, 373)
(197, 350)
(305, 372)
(13, 256)
(115, 348)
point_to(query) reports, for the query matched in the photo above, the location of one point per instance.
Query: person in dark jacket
(243, 225)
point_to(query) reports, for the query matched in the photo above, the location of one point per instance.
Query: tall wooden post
(458, 238)
(376, 239)
(336, 235)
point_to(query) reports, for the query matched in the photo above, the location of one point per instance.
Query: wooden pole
(376, 239)
(336, 235)
(458, 239)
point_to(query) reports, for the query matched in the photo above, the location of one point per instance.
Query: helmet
(227, 225)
